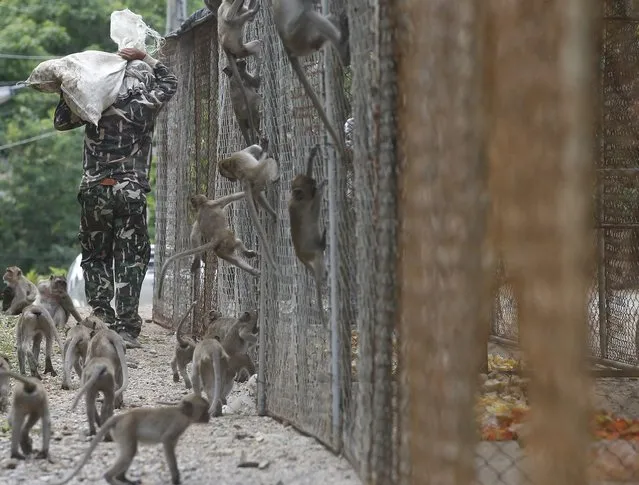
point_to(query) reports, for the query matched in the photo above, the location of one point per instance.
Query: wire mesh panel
(613, 298)
(297, 375)
(618, 169)
(187, 132)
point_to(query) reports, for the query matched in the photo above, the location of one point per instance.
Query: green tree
(38, 180)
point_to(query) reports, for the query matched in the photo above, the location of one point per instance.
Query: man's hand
(132, 54)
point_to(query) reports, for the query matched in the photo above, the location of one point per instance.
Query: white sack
(90, 80)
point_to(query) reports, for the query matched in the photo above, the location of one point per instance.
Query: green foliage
(33, 276)
(39, 180)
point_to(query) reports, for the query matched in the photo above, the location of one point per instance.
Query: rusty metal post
(441, 211)
(542, 154)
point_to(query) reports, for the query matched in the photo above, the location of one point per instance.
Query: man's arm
(166, 82)
(64, 119)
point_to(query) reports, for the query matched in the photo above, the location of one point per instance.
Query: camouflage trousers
(115, 252)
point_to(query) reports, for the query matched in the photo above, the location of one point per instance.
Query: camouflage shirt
(120, 146)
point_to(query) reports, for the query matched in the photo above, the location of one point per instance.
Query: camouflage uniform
(113, 227)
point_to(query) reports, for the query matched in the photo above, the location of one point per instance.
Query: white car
(75, 283)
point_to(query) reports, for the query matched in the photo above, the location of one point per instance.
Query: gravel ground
(207, 453)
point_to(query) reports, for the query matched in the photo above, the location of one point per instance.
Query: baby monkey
(255, 170)
(146, 425)
(309, 241)
(29, 405)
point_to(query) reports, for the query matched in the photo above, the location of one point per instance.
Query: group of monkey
(302, 31)
(98, 356)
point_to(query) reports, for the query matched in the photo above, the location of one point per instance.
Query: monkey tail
(68, 358)
(98, 370)
(188, 252)
(297, 67)
(102, 431)
(318, 288)
(178, 334)
(125, 369)
(217, 379)
(250, 201)
(28, 383)
(47, 316)
(311, 159)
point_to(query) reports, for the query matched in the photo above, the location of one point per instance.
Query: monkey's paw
(250, 254)
(17, 455)
(65, 386)
(176, 377)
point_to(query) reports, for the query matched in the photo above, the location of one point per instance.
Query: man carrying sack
(116, 162)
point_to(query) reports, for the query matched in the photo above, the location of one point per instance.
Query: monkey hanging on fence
(232, 16)
(303, 32)
(211, 231)
(255, 169)
(245, 100)
(309, 241)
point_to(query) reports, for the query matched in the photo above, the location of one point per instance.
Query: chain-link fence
(187, 133)
(337, 379)
(613, 299)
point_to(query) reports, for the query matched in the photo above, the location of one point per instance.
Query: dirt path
(206, 453)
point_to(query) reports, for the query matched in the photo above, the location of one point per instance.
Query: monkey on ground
(75, 352)
(183, 351)
(24, 292)
(255, 170)
(231, 18)
(5, 388)
(98, 376)
(211, 231)
(30, 404)
(215, 363)
(109, 345)
(245, 100)
(309, 241)
(146, 425)
(304, 31)
(54, 297)
(219, 326)
(33, 324)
